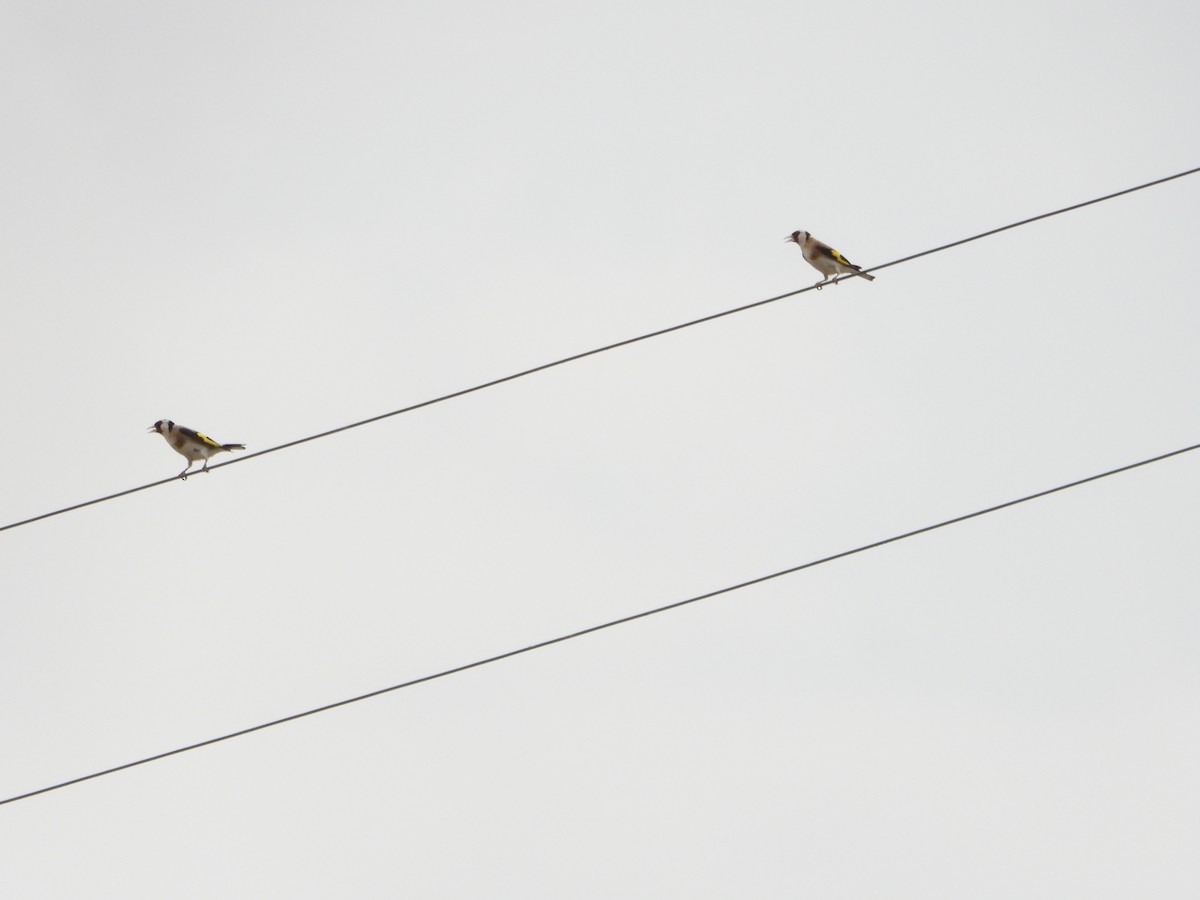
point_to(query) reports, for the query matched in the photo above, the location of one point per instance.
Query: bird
(192, 445)
(824, 258)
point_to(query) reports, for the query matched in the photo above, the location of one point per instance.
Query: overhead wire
(593, 352)
(602, 626)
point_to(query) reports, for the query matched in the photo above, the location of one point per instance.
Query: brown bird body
(825, 259)
(192, 445)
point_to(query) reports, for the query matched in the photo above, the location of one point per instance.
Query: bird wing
(829, 253)
(197, 436)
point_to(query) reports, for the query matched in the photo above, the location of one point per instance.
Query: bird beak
(151, 430)
(789, 238)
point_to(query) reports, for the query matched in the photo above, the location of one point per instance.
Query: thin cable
(1056, 212)
(594, 628)
(577, 356)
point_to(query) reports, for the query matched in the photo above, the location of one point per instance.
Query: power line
(594, 628)
(578, 356)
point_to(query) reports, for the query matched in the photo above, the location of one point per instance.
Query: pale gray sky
(264, 220)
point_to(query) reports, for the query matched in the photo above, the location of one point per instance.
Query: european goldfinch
(191, 444)
(825, 259)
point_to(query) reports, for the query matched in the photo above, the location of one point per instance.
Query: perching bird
(191, 444)
(825, 259)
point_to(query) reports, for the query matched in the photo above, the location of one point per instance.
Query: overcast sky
(266, 220)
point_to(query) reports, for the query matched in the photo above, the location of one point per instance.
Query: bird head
(162, 426)
(798, 236)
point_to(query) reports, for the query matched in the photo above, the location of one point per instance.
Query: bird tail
(233, 446)
(862, 274)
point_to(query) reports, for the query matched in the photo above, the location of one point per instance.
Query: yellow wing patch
(202, 438)
(840, 258)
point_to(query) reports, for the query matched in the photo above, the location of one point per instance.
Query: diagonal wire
(613, 346)
(594, 628)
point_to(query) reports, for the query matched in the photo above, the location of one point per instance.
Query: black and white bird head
(798, 236)
(162, 426)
